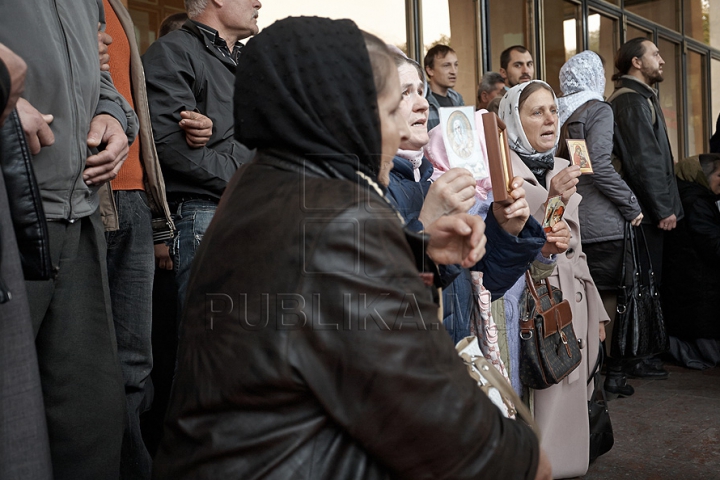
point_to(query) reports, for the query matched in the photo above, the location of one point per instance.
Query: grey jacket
(434, 114)
(58, 41)
(607, 201)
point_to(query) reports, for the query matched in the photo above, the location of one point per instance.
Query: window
(506, 29)
(702, 21)
(696, 107)
(634, 32)
(604, 38)
(384, 18)
(670, 93)
(715, 72)
(454, 23)
(560, 17)
(664, 12)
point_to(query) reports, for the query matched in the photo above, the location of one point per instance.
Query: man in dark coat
(642, 145)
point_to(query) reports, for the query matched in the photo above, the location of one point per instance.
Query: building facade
(686, 31)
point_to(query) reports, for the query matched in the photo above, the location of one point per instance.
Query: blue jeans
(191, 221)
(131, 267)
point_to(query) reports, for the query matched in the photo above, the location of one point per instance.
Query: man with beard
(516, 65)
(441, 68)
(642, 146)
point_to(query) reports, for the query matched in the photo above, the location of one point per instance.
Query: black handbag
(601, 432)
(549, 349)
(639, 329)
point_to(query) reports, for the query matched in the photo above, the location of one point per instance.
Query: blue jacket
(506, 256)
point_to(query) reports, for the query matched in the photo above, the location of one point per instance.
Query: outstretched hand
(512, 218)
(458, 238)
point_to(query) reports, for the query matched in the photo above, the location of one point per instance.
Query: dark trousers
(24, 450)
(77, 354)
(131, 266)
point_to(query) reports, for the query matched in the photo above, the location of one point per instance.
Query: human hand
(512, 218)
(162, 256)
(602, 332)
(36, 126)
(104, 40)
(458, 238)
(453, 192)
(564, 183)
(557, 239)
(17, 68)
(544, 470)
(197, 127)
(637, 220)
(104, 166)
(668, 223)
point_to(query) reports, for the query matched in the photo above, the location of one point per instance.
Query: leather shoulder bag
(549, 349)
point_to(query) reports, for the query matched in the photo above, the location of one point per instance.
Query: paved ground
(670, 429)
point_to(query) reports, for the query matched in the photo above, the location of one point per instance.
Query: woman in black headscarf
(310, 348)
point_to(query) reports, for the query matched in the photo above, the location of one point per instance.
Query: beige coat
(561, 410)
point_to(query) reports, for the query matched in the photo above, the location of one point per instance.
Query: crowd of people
(325, 255)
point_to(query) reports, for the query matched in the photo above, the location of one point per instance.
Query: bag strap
(533, 291)
(623, 91)
(598, 363)
(505, 389)
(651, 275)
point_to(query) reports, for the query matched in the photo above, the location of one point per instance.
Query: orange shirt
(130, 176)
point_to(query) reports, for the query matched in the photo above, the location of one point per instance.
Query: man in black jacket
(193, 69)
(642, 145)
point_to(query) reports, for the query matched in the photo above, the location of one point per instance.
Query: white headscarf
(582, 79)
(509, 112)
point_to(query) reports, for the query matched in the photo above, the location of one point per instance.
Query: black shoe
(617, 384)
(641, 369)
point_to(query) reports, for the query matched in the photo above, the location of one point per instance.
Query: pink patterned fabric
(484, 328)
(435, 152)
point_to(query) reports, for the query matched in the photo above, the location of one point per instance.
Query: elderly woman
(691, 285)
(608, 203)
(530, 112)
(304, 349)
(512, 242)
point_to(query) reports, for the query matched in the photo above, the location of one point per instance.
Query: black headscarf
(305, 87)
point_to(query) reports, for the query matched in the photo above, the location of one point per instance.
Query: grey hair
(489, 81)
(195, 7)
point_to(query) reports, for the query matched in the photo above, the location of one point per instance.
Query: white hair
(195, 7)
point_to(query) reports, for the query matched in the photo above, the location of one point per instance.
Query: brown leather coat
(310, 349)
(163, 226)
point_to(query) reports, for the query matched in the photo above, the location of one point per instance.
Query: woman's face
(539, 119)
(413, 107)
(393, 127)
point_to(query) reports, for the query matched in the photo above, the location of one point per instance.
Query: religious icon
(501, 173)
(460, 139)
(554, 211)
(579, 155)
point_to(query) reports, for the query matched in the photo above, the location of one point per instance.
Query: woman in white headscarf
(530, 113)
(607, 202)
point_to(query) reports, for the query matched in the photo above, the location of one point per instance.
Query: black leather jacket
(185, 71)
(310, 349)
(644, 150)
